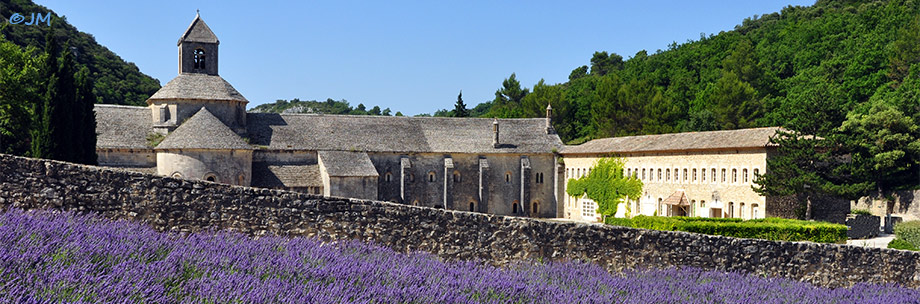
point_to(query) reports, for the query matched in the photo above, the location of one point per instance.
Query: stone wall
(188, 206)
(904, 204)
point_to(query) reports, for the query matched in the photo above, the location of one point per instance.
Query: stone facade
(715, 181)
(904, 204)
(453, 163)
(187, 206)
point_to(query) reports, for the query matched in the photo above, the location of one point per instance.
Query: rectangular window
(588, 209)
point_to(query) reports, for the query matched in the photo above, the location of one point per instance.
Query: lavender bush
(48, 257)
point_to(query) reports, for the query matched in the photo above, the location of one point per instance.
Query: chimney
(495, 133)
(549, 118)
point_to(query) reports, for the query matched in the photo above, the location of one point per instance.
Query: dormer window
(199, 59)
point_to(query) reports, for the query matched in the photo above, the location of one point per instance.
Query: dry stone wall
(188, 206)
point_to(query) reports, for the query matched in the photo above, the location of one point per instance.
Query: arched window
(535, 208)
(702, 175)
(731, 209)
(755, 210)
(667, 174)
(713, 175)
(723, 175)
(411, 177)
(685, 174)
(538, 178)
(240, 179)
(456, 177)
(472, 207)
(643, 173)
(741, 210)
(514, 207)
(659, 174)
(694, 175)
(388, 177)
(199, 59)
(756, 172)
(415, 203)
(744, 175)
(734, 175)
(507, 177)
(210, 177)
(431, 176)
(176, 175)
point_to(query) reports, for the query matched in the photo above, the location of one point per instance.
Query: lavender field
(48, 257)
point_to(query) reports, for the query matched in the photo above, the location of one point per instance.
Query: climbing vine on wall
(606, 185)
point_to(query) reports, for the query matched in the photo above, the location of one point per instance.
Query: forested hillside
(848, 51)
(115, 81)
(329, 106)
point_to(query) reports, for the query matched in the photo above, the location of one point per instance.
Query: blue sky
(410, 56)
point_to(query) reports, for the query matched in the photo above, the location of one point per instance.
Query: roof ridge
(105, 105)
(401, 117)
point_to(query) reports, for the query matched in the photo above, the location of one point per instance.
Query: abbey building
(197, 127)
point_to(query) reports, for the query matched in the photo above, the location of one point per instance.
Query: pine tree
(460, 109)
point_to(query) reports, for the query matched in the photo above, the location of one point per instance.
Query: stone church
(197, 127)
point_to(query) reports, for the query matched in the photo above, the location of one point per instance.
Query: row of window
(685, 175)
(694, 210)
(432, 177)
(515, 209)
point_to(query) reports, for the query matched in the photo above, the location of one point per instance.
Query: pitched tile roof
(677, 198)
(198, 31)
(342, 163)
(122, 127)
(689, 141)
(203, 131)
(398, 134)
(196, 86)
(274, 176)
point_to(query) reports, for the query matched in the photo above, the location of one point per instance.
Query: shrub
(770, 228)
(901, 244)
(860, 212)
(908, 231)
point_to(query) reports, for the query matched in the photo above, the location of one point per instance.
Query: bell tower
(198, 49)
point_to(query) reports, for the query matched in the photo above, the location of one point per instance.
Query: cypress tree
(42, 127)
(85, 119)
(63, 111)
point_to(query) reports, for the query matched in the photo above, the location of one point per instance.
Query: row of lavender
(64, 257)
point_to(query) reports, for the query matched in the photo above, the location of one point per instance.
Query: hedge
(901, 244)
(908, 231)
(770, 228)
